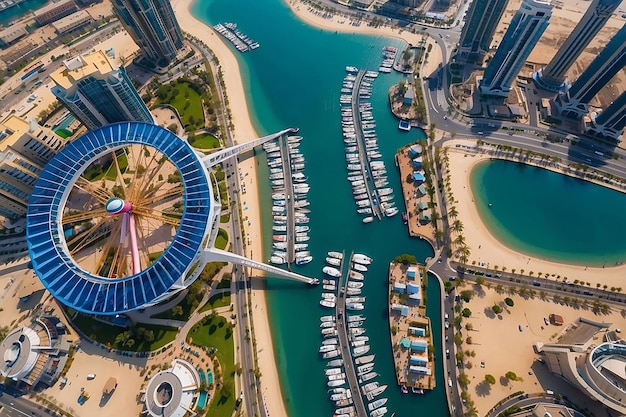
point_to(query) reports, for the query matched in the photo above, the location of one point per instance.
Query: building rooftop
(51, 6)
(170, 393)
(79, 67)
(581, 331)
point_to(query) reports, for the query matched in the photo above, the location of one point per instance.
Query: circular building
(34, 354)
(172, 393)
(117, 218)
(125, 216)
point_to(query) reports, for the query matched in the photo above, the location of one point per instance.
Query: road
(12, 404)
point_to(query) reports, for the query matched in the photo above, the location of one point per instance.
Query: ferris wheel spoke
(85, 238)
(120, 177)
(100, 194)
(148, 177)
(83, 215)
(139, 156)
(141, 231)
(172, 219)
(166, 195)
(104, 254)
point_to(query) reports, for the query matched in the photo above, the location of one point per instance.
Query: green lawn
(186, 101)
(224, 218)
(218, 300)
(222, 239)
(218, 333)
(204, 141)
(96, 172)
(106, 333)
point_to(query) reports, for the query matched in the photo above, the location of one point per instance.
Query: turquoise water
(9, 15)
(550, 215)
(294, 79)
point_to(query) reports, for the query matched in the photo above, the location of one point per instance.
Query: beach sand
(494, 334)
(486, 248)
(243, 132)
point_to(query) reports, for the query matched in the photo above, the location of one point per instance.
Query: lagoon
(549, 215)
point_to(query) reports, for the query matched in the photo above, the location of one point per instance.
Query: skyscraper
(605, 66)
(482, 19)
(611, 122)
(153, 26)
(96, 93)
(551, 77)
(526, 27)
(25, 148)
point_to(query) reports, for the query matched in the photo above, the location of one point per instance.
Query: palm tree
(457, 226)
(452, 213)
(459, 240)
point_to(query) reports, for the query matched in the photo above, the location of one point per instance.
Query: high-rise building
(575, 102)
(96, 93)
(526, 27)
(552, 77)
(611, 122)
(153, 26)
(482, 19)
(25, 148)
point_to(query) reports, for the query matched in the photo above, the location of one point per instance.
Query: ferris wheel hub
(117, 205)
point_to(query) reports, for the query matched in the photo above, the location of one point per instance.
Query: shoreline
(243, 131)
(487, 248)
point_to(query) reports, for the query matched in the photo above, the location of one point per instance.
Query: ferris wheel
(125, 216)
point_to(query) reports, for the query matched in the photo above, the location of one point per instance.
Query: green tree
(466, 312)
(490, 379)
(406, 259)
(496, 309)
(463, 380)
(511, 376)
(480, 280)
(177, 311)
(466, 295)
(508, 301)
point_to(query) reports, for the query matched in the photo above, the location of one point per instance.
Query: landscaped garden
(216, 334)
(204, 141)
(184, 97)
(136, 338)
(218, 300)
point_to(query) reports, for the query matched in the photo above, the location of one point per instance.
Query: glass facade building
(96, 93)
(611, 122)
(552, 77)
(602, 69)
(482, 19)
(525, 30)
(153, 26)
(25, 149)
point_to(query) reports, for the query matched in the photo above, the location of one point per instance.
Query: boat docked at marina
(355, 306)
(277, 260)
(376, 392)
(364, 359)
(337, 255)
(379, 412)
(356, 275)
(364, 369)
(367, 377)
(361, 350)
(327, 303)
(327, 318)
(326, 348)
(335, 362)
(359, 267)
(361, 259)
(330, 271)
(338, 382)
(333, 261)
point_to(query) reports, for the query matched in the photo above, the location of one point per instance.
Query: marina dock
(358, 129)
(289, 209)
(344, 344)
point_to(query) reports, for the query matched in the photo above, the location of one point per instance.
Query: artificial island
(131, 188)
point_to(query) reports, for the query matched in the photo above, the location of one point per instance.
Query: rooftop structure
(71, 22)
(25, 149)
(96, 93)
(12, 34)
(598, 371)
(552, 77)
(483, 17)
(34, 354)
(611, 60)
(54, 11)
(525, 30)
(153, 26)
(172, 393)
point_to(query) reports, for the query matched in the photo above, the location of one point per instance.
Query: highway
(13, 404)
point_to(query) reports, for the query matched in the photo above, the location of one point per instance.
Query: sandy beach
(488, 331)
(486, 248)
